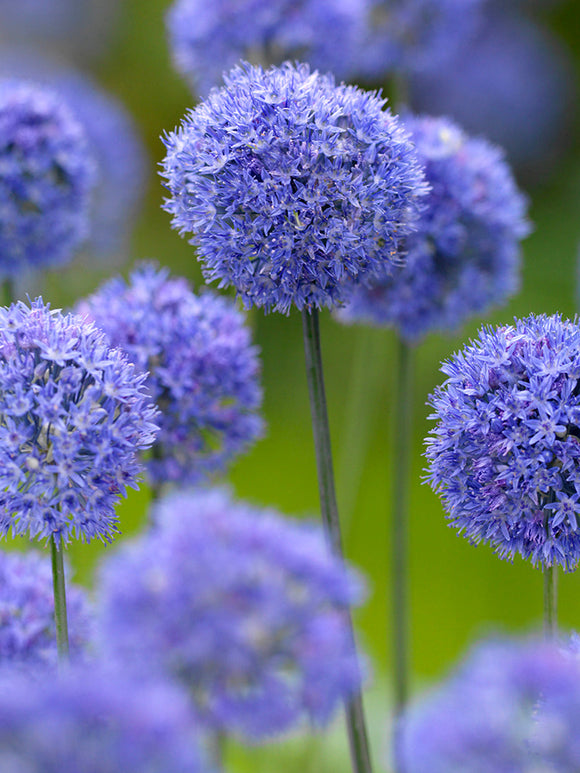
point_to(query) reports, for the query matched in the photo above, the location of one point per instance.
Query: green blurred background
(458, 592)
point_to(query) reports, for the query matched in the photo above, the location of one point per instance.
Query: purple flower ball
(244, 608)
(465, 255)
(73, 417)
(294, 188)
(203, 370)
(27, 627)
(46, 177)
(504, 454)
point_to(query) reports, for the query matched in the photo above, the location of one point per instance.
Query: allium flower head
(93, 721)
(243, 607)
(506, 709)
(73, 416)
(505, 452)
(46, 176)
(464, 256)
(203, 370)
(209, 38)
(294, 188)
(27, 628)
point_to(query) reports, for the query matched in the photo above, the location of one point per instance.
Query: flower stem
(550, 601)
(356, 725)
(58, 584)
(7, 292)
(399, 543)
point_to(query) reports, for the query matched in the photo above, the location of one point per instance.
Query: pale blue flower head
(294, 188)
(203, 370)
(207, 39)
(465, 254)
(27, 627)
(46, 177)
(505, 452)
(246, 609)
(73, 417)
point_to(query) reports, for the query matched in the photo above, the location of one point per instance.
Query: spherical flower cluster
(27, 627)
(416, 35)
(209, 38)
(46, 176)
(203, 370)
(90, 720)
(244, 608)
(505, 453)
(464, 256)
(512, 706)
(73, 416)
(293, 187)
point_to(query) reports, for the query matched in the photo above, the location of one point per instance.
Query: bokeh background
(458, 592)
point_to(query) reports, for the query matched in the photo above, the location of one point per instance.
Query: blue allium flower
(465, 254)
(46, 176)
(203, 370)
(246, 609)
(209, 38)
(27, 628)
(73, 416)
(511, 707)
(505, 452)
(94, 721)
(293, 187)
(416, 35)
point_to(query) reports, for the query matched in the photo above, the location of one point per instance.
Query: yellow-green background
(458, 591)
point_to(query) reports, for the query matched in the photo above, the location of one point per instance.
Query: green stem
(399, 542)
(58, 584)
(7, 292)
(356, 725)
(550, 601)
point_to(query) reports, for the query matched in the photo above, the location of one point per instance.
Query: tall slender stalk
(399, 538)
(550, 601)
(59, 589)
(355, 719)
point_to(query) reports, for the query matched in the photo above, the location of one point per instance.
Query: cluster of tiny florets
(90, 719)
(464, 256)
(73, 416)
(512, 706)
(294, 188)
(46, 177)
(248, 610)
(208, 39)
(505, 453)
(27, 627)
(203, 370)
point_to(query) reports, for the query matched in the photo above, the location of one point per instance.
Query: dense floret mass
(464, 256)
(203, 370)
(505, 451)
(73, 416)
(512, 706)
(27, 627)
(209, 38)
(293, 188)
(90, 720)
(244, 608)
(46, 177)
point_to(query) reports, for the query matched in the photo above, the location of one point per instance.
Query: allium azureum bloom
(27, 627)
(207, 39)
(505, 453)
(294, 188)
(464, 256)
(203, 370)
(46, 176)
(94, 721)
(245, 608)
(73, 416)
(506, 709)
